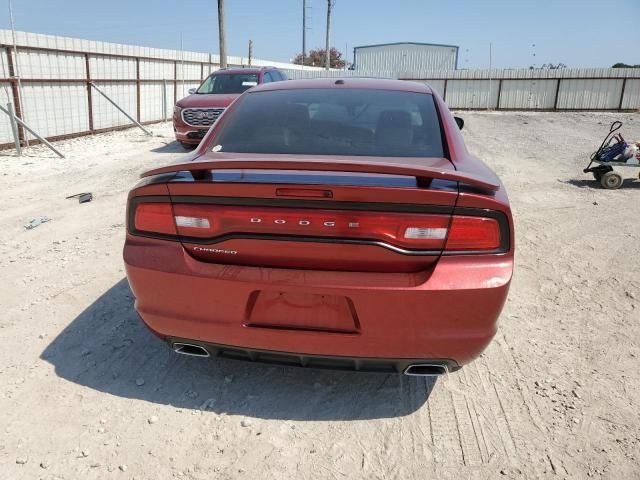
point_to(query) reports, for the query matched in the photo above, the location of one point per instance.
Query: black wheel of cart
(611, 180)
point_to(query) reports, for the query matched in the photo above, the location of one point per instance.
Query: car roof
(346, 83)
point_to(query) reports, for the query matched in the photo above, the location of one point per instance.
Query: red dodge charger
(325, 223)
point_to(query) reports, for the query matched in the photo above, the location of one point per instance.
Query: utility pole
(304, 30)
(250, 51)
(490, 69)
(221, 36)
(327, 63)
(182, 63)
(16, 69)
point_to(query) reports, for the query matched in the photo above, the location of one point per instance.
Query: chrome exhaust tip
(425, 370)
(190, 349)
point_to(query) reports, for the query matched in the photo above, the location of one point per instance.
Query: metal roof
(408, 43)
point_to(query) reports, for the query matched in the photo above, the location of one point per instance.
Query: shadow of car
(174, 147)
(108, 349)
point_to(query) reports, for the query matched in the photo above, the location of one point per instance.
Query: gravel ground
(86, 392)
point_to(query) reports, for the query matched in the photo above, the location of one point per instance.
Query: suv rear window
(228, 83)
(333, 122)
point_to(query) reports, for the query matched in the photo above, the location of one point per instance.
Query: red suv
(325, 223)
(195, 113)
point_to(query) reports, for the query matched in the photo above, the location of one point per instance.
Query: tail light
(473, 233)
(414, 231)
(404, 230)
(155, 218)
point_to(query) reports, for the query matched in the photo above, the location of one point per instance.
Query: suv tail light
(409, 231)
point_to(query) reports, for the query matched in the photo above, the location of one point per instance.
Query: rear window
(228, 83)
(333, 122)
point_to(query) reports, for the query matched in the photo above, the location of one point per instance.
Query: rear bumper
(360, 364)
(449, 313)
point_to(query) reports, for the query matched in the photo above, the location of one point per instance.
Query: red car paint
(338, 303)
(192, 134)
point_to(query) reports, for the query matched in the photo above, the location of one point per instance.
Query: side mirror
(193, 90)
(460, 122)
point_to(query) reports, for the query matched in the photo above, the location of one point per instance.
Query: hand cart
(603, 171)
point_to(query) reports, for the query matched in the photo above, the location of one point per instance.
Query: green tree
(624, 65)
(316, 58)
(549, 66)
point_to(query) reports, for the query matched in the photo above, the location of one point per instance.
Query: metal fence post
(14, 128)
(164, 100)
(624, 84)
(15, 92)
(138, 88)
(555, 100)
(89, 98)
(33, 132)
(175, 81)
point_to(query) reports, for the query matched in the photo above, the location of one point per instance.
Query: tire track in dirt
(446, 434)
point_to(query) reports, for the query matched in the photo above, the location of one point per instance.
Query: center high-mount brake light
(426, 232)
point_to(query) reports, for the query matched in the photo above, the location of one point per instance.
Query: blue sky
(577, 33)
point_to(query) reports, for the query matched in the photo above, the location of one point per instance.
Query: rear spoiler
(200, 169)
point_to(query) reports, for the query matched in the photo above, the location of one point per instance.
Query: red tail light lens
(473, 233)
(155, 218)
(414, 231)
(403, 230)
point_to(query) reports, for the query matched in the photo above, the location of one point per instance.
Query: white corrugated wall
(151, 101)
(631, 97)
(57, 103)
(156, 70)
(55, 109)
(113, 68)
(5, 97)
(472, 93)
(529, 94)
(589, 94)
(5, 128)
(405, 58)
(106, 115)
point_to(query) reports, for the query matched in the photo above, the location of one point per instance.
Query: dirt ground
(86, 392)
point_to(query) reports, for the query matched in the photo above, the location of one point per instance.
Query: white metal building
(405, 57)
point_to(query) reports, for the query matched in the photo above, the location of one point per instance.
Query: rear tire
(611, 180)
